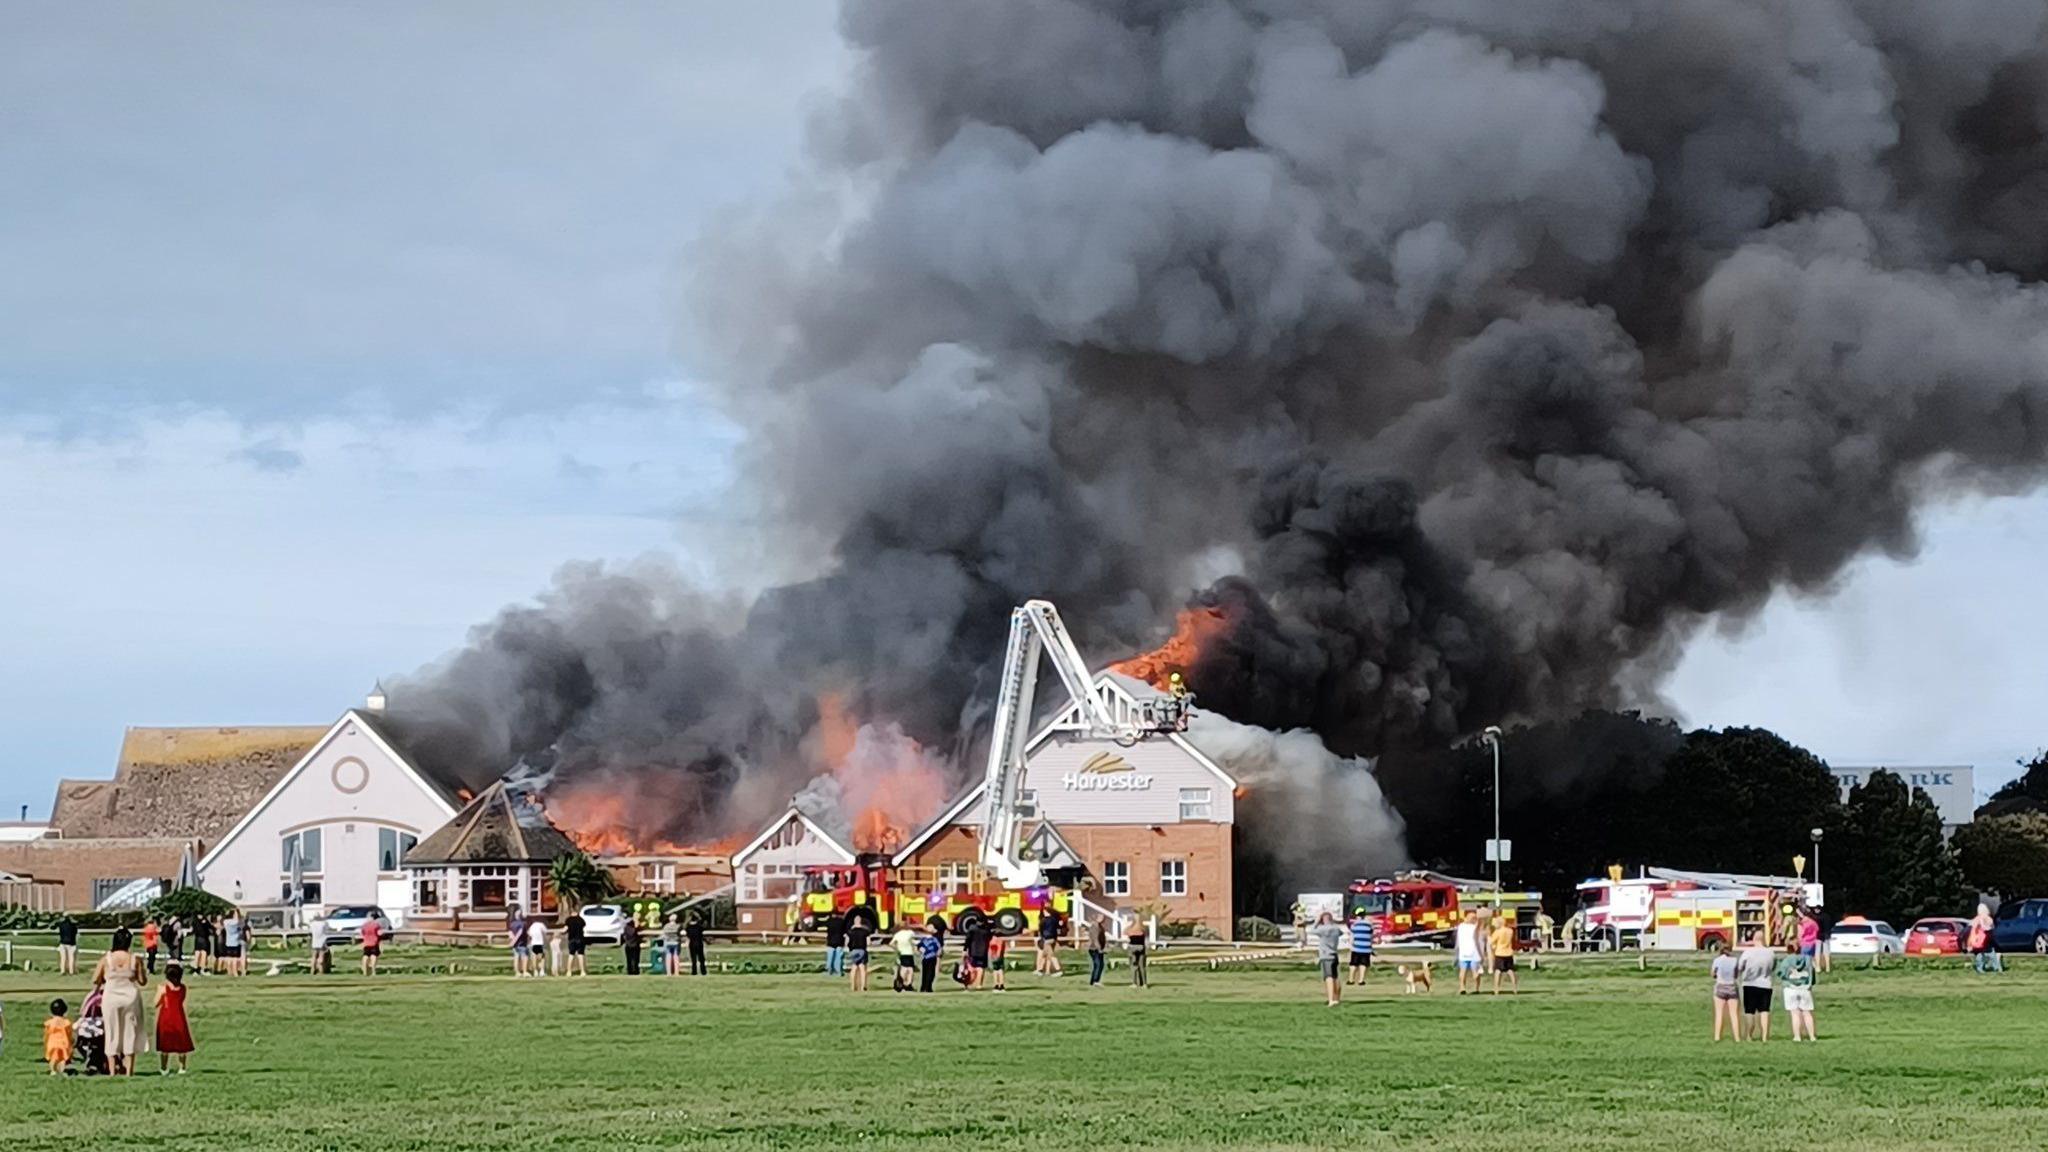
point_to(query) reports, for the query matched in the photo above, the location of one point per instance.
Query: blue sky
(325, 331)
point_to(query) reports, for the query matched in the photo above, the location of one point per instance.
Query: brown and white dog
(1416, 977)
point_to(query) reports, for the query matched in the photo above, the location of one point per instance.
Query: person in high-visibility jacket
(1177, 687)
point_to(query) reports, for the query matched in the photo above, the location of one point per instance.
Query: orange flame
(1193, 629)
(607, 819)
(887, 781)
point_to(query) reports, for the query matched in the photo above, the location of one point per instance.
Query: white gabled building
(350, 809)
(768, 873)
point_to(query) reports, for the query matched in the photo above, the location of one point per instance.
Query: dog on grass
(1416, 977)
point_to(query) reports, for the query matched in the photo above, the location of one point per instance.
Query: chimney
(375, 701)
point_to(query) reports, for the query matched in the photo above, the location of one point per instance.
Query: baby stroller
(89, 1050)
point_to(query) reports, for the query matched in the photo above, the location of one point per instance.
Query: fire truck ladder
(1036, 633)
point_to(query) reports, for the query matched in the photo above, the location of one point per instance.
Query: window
(305, 846)
(1194, 804)
(1027, 803)
(657, 876)
(487, 893)
(284, 892)
(1116, 878)
(953, 876)
(392, 845)
(1173, 877)
(426, 894)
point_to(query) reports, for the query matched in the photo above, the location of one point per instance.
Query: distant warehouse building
(1952, 787)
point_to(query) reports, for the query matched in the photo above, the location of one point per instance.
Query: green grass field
(1593, 1054)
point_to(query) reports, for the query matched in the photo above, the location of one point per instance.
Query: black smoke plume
(1474, 353)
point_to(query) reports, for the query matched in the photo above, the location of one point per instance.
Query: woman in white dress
(120, 978)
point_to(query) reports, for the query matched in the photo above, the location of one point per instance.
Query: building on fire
(1145, 827)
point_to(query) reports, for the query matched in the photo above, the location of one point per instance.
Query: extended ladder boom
(1036, 632)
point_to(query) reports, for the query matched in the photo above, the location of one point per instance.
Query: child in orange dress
(173, 1033)
(57, 1037)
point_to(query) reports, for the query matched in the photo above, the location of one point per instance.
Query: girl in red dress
(173, 1034)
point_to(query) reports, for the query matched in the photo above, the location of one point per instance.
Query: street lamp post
(1492, 736)
(1816, 857)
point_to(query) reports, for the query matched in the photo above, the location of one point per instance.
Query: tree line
(1604, 788)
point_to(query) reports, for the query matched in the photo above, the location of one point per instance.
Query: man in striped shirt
(1361, 948)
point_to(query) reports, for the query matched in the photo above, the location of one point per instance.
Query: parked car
(603, 923)
(2021, 926)
(1937, 936)
(346, 921)
(1856, 936)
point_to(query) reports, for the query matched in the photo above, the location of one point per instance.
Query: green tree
(1740, 800)
(579, 880)
(1894, 862)
(2006, 854)
(2027, 793)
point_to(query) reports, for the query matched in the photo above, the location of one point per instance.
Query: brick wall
(1205, 848)
(77, 863)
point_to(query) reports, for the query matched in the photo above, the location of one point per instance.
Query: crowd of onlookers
(109, 1033)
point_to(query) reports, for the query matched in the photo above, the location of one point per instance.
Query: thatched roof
(498, 827)
(181, 782)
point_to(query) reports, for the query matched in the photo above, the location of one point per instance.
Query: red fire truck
(886, 896)
(1426, 905)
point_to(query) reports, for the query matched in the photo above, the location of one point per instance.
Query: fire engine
(1427, 905)
(1670, 909)
(885, 897)
(1008, 888)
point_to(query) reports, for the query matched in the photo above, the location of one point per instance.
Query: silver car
(345, 922)
(603, 923)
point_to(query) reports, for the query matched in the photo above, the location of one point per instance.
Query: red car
(1937, 936)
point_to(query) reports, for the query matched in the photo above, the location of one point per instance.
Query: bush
(1258, 929)
(1184, 930)
(189, 904)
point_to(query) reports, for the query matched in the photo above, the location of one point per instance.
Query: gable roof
(498, 827)
(1117, 691)
(412, 747)
(439, 793)
(192, 781)
(781, 822)
(1049, 848)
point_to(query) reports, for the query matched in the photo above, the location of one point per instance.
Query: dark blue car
(2022, 926)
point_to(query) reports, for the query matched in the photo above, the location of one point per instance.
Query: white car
(603, 923)
(346, 921)
(1856, 936)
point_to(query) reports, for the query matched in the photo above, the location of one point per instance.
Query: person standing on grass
(672, 946)
(537, 947)
(998, 951)
(1329, 937)
(1809, 935)
(57, 1037)
(629, 943)
(373, 944)
(835, 945)
(1467, 937)
(232, 930)
(904, 942)
(67, 946)
(928, 947)
(856, 955)
(1795, 972)
(515, 926)
(974, 951)
(174, 940)
(1501, 942)
(1726, 989)
(1050, 924)
(173, 1031)
(1134, 943)
(1983, 953)
(1098, 949)
(120, 976)
(1361, 927)
(573, 928)
(1753, 970)
(317, 961)
(202, 943)
(151, 937)
(693, 931)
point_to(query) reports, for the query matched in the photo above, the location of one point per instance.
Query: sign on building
(1953, 788)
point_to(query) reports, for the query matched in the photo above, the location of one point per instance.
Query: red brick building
(1147, 827)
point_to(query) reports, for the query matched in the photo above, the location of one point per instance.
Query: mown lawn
(1594, 1054)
